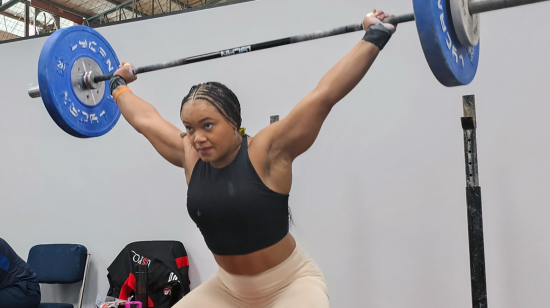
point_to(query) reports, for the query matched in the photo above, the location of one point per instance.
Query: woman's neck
(230, 156)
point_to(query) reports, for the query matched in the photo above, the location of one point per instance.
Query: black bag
(168, 272)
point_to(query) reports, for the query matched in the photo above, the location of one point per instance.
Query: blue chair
(60, 264)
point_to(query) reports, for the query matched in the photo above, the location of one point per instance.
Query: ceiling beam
(8, 4)
(57, 11)
(126, 8)
(10, 15)
(120, 6)
(181, 4)
(20, 18)
(66, 9)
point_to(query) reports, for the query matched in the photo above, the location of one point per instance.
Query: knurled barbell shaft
(265, 45)
(475, 7)
(243, 49)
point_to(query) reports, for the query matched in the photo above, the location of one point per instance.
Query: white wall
(378, 201)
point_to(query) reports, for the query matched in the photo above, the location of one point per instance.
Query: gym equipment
(76, 63)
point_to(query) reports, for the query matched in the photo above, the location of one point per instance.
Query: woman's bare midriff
(258, 261)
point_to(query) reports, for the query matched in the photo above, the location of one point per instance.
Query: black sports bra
(234, 210)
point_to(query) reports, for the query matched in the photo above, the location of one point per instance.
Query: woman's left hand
(376, 17)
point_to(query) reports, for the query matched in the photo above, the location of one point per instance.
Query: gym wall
(378, 201)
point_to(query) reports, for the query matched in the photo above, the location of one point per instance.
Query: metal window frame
(183, 11)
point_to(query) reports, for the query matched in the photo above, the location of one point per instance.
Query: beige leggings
(295, 283)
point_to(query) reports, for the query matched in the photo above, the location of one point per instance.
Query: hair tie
(241, 131)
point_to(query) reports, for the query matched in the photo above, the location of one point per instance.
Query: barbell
(76, 63)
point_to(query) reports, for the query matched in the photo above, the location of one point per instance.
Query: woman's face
(208, 131)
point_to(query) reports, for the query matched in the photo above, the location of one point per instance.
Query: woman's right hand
(125, 71)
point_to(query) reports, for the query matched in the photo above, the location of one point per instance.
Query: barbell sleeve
(34, 91)
(482, 6)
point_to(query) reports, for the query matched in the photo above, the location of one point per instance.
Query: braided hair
(221, 97)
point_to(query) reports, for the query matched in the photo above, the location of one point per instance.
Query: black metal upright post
(27, 18)
(57, 22)
(473, 199)
(141, 285)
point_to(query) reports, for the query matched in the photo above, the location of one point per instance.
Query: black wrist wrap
(115, 82)
(378, 35)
